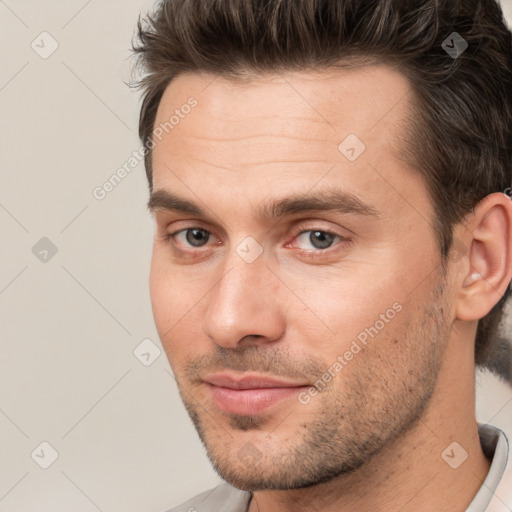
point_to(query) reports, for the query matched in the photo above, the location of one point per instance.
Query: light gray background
(69, 326)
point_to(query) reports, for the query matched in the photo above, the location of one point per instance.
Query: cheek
(166, 305)
(177, 308)
(158, 289)
(169, 295)
(334, 310)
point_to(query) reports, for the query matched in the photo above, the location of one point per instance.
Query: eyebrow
(332, 200)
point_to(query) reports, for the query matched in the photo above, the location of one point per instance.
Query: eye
(195, 237)
(311, 242)
(318, 238)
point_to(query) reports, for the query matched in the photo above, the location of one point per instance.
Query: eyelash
(313, 253)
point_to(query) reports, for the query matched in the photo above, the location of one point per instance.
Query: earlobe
(489, 258)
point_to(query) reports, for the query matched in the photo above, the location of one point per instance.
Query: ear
(488, 263)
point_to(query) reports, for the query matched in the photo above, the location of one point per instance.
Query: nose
(244, 307)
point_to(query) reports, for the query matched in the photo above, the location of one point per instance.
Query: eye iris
(321, 239)
(196, 236)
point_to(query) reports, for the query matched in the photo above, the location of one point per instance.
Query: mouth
(249, 394)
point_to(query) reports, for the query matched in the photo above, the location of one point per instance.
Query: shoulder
(223, 498)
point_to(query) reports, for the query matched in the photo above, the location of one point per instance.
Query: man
(333, 245)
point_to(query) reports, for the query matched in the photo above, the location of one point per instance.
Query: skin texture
(373, 438)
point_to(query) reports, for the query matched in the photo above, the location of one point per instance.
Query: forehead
(285, 129)
(309, 112)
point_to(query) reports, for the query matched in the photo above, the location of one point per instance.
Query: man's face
(349, 298)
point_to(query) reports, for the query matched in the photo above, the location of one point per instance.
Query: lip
(249, 381)
(249, 394)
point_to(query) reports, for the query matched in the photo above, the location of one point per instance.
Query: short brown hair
(461, 139)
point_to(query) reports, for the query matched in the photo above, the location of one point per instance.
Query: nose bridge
(244, 301)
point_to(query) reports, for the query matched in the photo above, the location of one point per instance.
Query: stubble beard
(349, 428)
